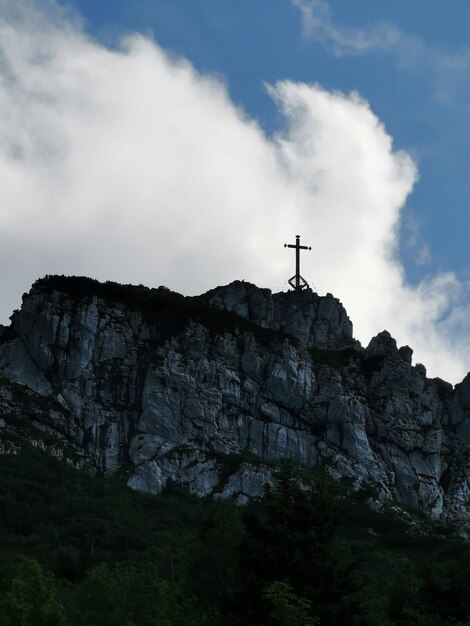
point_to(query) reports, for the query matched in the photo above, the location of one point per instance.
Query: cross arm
(288, 245)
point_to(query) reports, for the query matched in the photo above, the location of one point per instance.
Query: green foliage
(290, 537)
(289, 609)
(81, 551)
(123, 595)
(31, 598)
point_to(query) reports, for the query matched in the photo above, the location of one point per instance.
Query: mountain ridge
(209, 391)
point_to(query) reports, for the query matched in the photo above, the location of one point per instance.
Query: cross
(300, 282)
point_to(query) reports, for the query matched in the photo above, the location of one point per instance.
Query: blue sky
(182, 143)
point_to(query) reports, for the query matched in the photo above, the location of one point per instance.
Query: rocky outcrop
(211, 391)
(310, 318)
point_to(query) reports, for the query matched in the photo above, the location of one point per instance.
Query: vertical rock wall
(211, 391)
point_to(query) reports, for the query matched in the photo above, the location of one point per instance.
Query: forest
(78, 550)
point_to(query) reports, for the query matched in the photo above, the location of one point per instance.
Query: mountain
(211, 391)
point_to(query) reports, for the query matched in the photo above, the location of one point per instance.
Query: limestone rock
(305, 315)
(210, 391)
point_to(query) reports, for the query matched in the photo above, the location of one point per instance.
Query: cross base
(298, 282)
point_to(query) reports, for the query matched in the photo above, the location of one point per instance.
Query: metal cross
(297, 281)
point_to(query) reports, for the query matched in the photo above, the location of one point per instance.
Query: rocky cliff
(211, 391)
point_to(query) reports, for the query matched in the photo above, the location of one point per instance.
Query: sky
(182, 143)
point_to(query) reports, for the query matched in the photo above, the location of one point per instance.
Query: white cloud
(317, 23)
(129, 165)
(414, 242)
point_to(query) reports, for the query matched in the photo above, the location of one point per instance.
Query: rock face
(210, 391)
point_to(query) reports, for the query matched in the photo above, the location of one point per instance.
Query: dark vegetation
(169, 311)
(77, 550)
(335, 358)
(372, 364)
(7, 333)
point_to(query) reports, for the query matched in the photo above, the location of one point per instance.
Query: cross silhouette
(297, 281)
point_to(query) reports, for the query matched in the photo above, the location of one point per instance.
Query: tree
(288, 608)
(32, 599)
(290, 537)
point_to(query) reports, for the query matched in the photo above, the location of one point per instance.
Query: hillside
(351, 465)
(77, 550)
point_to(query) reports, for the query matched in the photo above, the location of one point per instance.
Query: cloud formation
(130, 165)
(317, 22)
(415, 244)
